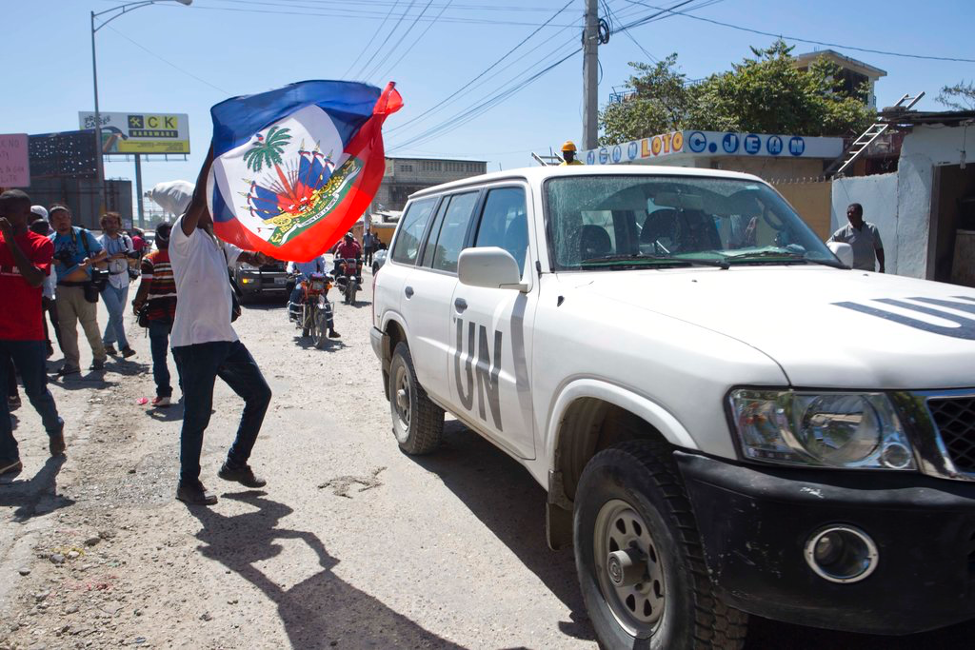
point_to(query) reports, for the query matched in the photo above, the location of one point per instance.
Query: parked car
(270, 280)
(727, 419)
(378, 259)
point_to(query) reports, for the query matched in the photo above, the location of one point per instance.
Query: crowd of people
(184, 299)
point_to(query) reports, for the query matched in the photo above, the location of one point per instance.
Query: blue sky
(174, 59)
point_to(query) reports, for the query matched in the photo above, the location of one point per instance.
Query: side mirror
(489, 267)
(843, 252)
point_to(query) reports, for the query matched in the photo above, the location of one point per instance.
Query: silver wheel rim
(629, 569)
(401, 401)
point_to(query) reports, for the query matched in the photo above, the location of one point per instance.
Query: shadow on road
(307, 343)
(505, 498)
(319, 612)
(37, 495)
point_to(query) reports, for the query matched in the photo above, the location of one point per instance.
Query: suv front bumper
(756, 521)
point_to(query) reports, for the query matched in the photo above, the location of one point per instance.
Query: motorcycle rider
(348, 249)
(303, 272)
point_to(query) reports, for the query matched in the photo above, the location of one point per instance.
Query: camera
(133, 255)
(65, 256)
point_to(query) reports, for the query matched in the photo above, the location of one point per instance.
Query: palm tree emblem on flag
(294, 198)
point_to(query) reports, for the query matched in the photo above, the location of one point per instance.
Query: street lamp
(118, 11)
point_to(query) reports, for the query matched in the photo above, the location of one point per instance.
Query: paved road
(352, 544)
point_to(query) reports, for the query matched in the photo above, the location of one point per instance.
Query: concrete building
(853, 73)
(924, 209)
(404, 176)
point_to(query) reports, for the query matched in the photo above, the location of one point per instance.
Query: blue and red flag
(294, 168)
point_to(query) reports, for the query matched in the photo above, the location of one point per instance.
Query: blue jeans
(115, 303)
(29, 357)
(159, 344)
(200, 365)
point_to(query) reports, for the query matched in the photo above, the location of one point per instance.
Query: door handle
(460, 305)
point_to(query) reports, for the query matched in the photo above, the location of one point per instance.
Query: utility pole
(139, 204)
(590, 35)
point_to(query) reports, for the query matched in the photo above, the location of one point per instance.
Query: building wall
(769, 168)
(812, 201)
(81, 197)
(404, 176)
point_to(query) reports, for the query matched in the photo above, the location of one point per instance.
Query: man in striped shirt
(157, 292)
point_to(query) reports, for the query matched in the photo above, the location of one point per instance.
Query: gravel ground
(351, 545)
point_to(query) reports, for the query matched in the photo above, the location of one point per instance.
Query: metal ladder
(871, 134)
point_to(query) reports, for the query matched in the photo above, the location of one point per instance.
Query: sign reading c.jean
(688, 144)
(294, 168)
(141, 132)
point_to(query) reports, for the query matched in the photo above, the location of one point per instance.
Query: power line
(169, 63)
(392, 30)
(370, 41)
(805, 40)
(416, 41)
(468, 86)
(373, 72)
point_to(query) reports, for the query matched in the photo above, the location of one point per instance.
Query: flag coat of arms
(294, 168)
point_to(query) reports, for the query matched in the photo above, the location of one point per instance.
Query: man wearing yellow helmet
(569, 154)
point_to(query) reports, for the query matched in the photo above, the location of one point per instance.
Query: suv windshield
(616, 222)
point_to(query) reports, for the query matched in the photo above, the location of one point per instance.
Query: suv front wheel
(639, 558)
(417, 421)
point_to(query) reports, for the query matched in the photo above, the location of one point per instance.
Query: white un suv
(727, 419)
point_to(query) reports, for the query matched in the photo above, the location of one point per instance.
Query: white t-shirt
(118, 269)
(203, 292)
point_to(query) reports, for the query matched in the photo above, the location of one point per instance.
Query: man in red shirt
(25, 262)
(347, 249)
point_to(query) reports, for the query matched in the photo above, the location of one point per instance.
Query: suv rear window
(412, 228)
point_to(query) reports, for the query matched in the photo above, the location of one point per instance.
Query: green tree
(959, 96)
(763, 94)
(659, 102)
(268, 150)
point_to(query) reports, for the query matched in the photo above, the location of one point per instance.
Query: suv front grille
(954, 418)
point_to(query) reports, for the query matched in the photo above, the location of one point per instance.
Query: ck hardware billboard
(713, 143)
(141, 132)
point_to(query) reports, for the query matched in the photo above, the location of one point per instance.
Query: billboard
(141, 132)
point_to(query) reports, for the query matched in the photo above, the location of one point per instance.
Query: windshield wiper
(640, 257)
(781, 256)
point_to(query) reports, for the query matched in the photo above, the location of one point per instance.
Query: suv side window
(504, 224)
(415, 221)
(454, 228)
(432, 235)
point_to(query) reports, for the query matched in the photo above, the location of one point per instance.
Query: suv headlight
(841, 430)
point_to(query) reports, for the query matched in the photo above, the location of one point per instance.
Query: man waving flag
(294, 168)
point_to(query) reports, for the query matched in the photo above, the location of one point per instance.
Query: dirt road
(351, 545)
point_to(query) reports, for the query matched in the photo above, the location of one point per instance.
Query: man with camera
(76, 251)
(119, 250)
(25, 261)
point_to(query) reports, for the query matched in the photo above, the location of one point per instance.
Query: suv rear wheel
(639, 558)
(417, 421)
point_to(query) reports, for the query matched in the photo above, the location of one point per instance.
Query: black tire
(319, 328)
(417, 421)
(672, 606)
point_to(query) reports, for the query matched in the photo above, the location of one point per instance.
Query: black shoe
(195, 495)
(10, 467)
(110, 349)
(68, 370)
(128, 352)
(333, 334)
(243, 475)
(13, 402)
(97, 365)
(56, 444)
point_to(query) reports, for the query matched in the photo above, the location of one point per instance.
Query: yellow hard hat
(569, 146)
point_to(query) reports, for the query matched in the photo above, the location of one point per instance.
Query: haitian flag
(294, 168)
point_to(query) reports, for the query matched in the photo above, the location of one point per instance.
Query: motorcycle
(314, 313)
(349, 278)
